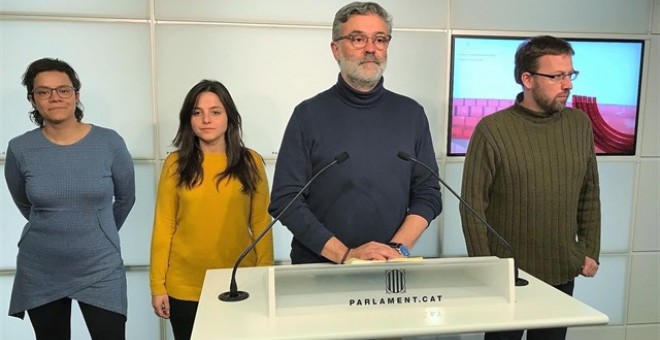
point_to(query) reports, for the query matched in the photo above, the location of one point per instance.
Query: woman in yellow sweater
(212, 201)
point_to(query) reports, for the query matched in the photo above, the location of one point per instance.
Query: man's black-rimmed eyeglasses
(558, 78)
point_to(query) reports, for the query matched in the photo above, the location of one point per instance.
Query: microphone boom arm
(519, 281)
(234, 294)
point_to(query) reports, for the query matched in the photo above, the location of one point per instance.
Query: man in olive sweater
(531, 171)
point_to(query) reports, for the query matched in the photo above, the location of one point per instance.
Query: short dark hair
(529, 52)
(45, 65)
(358, 8)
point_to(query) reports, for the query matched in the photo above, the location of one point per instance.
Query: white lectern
(383, 300)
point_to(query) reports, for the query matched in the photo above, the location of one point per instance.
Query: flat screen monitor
(607, 88)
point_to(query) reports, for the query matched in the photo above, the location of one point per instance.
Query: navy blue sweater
(367, 197)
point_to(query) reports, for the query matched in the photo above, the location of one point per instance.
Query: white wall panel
(607, 290)
(11, 226)
(656, 16)
(265, 86)
(135, 235)
(644, 304)
(266, 95)
(115, 8)
(281, 235)
(142, 323)
(596, 16)
(617, 181)
(643, 332)
(168, 330)
(300, 12)
(427, 245)
(116, 77)
(650, 123)
(282, 243)
(452, 239)
(647, 222)
(416, 68)
(11, 327)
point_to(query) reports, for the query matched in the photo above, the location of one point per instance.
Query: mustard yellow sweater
(205, 227)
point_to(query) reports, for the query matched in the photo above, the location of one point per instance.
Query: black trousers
(536, 334)
(52, 321)
(182, 317)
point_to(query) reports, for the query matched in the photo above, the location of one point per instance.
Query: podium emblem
(395, 281)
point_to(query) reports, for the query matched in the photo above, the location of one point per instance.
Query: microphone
(519, 281)
(234, 294)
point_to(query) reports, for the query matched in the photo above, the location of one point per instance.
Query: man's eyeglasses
(45, 92)
(359, 40)
(558, 78)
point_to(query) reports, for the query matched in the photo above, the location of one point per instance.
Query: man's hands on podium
(374, 251)
(336, 251)
(409, 232)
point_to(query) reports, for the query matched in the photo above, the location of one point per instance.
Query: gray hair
(358, 8)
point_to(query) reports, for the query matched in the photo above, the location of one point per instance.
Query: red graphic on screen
(466, 113)
(614, 125)
(613, 137)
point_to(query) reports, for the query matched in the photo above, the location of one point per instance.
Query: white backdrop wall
(137, 59)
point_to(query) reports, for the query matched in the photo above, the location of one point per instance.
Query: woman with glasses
(212, 202)
(74, 183)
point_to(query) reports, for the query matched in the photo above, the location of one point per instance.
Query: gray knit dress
(75, 198)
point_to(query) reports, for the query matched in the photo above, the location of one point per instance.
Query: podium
(383, 300)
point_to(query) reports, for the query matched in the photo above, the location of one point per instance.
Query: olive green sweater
(534, 177)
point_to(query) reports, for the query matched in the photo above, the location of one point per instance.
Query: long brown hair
(240, 163)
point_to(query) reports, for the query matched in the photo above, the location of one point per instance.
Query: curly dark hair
(45, 65)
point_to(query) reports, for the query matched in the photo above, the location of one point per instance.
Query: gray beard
(359, 79)
(363, 83)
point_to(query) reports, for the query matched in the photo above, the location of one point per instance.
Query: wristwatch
(401, 248)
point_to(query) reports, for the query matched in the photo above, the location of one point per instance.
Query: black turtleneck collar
(533, 116)
(355, 98)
